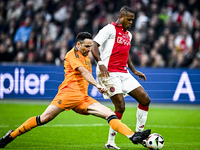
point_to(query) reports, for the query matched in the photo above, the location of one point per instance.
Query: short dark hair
(124, 10)
(82, 36)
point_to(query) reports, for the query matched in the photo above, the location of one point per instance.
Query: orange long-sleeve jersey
(73, 78)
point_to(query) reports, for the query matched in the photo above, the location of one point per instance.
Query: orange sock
(26, 126)
(120, 127)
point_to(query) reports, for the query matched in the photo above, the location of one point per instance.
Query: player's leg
(131, 86)
(113, 84)
(104, 112)
(142, 97)
(118, 101)
(50, 113)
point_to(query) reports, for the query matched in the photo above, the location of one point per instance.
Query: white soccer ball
(155, 141)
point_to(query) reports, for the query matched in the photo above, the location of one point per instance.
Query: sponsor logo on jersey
(123, 41)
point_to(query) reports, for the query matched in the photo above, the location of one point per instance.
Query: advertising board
(163, 85)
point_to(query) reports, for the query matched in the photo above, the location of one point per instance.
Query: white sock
(111, 136)
(141, 119)
(113, 133)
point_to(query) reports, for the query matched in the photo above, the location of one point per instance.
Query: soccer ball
(155, 141)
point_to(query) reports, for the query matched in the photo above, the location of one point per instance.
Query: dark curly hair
(82, 36)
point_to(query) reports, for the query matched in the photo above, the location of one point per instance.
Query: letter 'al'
(184, 90)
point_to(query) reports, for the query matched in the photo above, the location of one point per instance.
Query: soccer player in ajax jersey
(111, 51)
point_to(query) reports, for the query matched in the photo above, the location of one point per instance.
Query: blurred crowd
(166, 33)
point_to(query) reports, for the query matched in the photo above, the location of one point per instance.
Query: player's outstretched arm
(138, 73)
(89, 77)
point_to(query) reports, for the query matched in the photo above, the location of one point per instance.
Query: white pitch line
(175, 127)
(100, 125)
(94, 125)
(4, 126)
(76, 125)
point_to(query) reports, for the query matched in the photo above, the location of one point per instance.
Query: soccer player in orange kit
(73, 94)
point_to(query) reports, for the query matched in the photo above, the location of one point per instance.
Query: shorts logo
(112, 89)
(60, 101)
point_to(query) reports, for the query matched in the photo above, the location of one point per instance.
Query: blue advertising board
(163, 85)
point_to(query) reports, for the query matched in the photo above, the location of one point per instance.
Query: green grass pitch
(178, 124)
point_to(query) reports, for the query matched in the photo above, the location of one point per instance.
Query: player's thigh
(112, 84)
(129, 83)
(82, 108)
(99, 110)
(68, 99)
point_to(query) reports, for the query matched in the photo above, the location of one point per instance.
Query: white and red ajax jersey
(114, 47)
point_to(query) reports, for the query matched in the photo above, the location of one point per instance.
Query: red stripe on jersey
(119, 56)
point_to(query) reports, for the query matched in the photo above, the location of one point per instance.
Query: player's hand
(101, 89)
(141, 75)
(104, 71)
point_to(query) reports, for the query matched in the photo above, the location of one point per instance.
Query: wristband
(100, 63)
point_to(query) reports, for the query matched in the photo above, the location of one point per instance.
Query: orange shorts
(69, 99)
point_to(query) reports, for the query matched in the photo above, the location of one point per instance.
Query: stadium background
(36, 35)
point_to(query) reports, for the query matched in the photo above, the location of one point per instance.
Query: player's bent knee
(120, 109)
(149, 101)
(146, 102)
